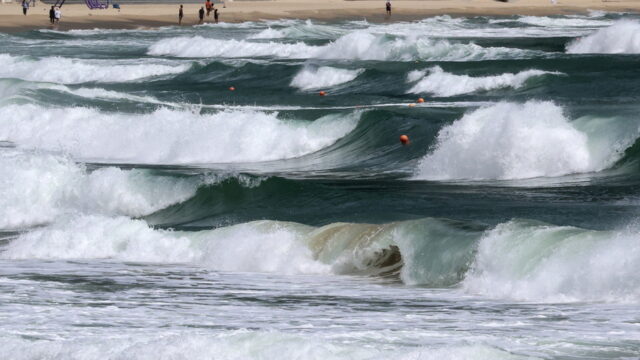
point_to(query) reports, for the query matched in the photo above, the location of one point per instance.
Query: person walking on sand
(388, 6)
(25, 7)
(52, 14)
(180, 15)
(201, 14)
(209, 5)
(57, 14)
(215, 15)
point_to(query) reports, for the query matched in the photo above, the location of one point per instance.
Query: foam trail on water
(440, 83)
(323, 77)
(76, 71)
(519, 141)
(538, 262)
(36, 189)
(169, 136)
(623, 37)
(357, 45)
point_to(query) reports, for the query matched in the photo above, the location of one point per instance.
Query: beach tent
(95, 4)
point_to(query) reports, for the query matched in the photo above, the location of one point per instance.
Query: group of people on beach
(54, 13)
(201, 13)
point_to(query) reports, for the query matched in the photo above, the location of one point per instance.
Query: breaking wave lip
(357, 45)
(323, 77)
(520, 259)
(75, 71)
(623, 37)
(509, 141)
(169, 136)
(440, 83)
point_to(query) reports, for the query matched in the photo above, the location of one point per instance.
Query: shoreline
(136, 16)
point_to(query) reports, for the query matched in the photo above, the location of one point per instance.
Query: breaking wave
(440, 83)
(358, 45)
(168, 136)
(323, 77)
(37, 189)
(519, 141)
(521, 260)
(76, 71)
(623, 37)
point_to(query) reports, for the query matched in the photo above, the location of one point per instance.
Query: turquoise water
(148, 211)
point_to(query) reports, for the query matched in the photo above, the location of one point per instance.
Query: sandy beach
(76, 16)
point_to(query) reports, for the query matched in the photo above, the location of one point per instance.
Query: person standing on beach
(388, 5)
(57, 14)
(52, 14)
(215, 15)
(180, 15)
(201, 14)
(209, 5)
(25, 7)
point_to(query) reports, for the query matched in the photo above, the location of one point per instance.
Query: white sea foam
(440, 83)
(323, 77)
(566, 23)
(236, 345)
(535, 262)
(357, 45)
(196, 47)
(36, 189)
(75, 71)
(169, 136)
(518, 141)
(623, 37)
(257, 246)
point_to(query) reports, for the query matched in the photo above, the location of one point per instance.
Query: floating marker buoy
(404, 139)
(412, 105)
(420, 100)
(322, 93)
(231, 88)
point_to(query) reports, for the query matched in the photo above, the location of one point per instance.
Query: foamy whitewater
(186, 192)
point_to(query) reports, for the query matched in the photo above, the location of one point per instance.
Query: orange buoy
(231, 88)
(322, 93)
(404, 139)
(420, 100)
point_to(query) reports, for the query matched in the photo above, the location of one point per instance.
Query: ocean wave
(440, 83)
(522, 260)
(323, 77)
(357, 45)
(538, 262)
(623, 37)
(169, 136)
(519, 141)
(38, 188)
(76, 71)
